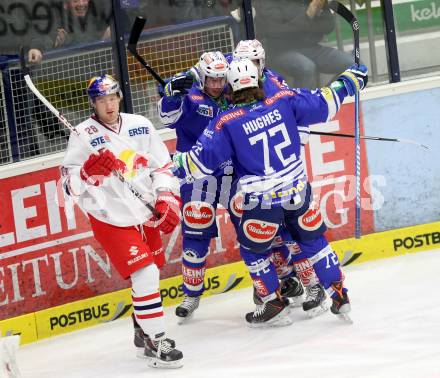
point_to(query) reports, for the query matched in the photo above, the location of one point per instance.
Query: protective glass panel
(310, 45)
(418, 37)
(175, 35)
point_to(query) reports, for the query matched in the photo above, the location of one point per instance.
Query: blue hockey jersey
(189, 115)
(263, 142)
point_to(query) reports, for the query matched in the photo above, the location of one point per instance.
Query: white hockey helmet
(212, 64)
(242, 74)
(253, 50)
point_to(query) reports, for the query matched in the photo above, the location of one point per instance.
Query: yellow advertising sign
(388, 244)
(21, 325)
(81, 314)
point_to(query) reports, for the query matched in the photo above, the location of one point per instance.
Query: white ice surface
(396, 333)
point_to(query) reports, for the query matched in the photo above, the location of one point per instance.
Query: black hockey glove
(179, 85)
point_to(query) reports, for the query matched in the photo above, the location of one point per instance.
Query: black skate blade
(159, 364)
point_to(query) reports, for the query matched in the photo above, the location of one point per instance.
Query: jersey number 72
(264, 137)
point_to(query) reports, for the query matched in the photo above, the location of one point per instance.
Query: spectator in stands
(16, 129)
(293, 32)
(83, 21)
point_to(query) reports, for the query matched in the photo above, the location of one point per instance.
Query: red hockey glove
(168, 206)
(96, 167)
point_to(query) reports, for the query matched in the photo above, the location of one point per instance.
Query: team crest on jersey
(259, 231)
(197, 214)
(236, 204)
(312, 219)
(278, 95)
(205, 110)
(228, 117)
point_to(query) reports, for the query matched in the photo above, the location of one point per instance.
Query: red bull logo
(131, 162)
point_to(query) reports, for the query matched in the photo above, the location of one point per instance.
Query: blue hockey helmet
(102, 86)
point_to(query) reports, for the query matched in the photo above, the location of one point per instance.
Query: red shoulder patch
(196, 97)
(227, 117)
(278, 95)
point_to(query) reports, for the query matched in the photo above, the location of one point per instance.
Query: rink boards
(108, 307)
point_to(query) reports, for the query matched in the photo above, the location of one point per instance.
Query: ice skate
(186, 309)
(315, 302)
(140, 339)
(274, 313)
(161, 354)
(340, 303)
(292, 289)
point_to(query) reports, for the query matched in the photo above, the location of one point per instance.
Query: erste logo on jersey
(102, 139)
(141, 130)
(228, 117)
(311, 220)
(259, 231)
(198, 214)
(205, 110)
(278, 95)
(236, 204)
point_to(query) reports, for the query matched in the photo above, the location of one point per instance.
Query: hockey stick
(380, 139)
(133, 40)
(73, 129)
(348, 16)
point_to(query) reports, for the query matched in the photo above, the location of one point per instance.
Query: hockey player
(188, 109)
(122, 222)
(261, 137)
(286, 253)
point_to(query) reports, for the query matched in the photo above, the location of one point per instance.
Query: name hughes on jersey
(261, 122)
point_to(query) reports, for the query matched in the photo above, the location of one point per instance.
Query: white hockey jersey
(146, 166)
